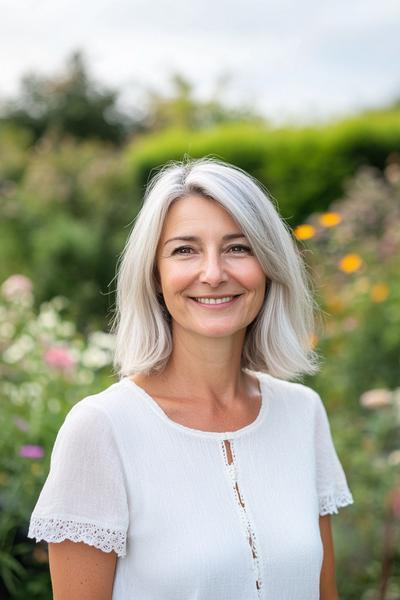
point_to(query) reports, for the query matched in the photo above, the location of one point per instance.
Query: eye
(245, 248)
(176, 251)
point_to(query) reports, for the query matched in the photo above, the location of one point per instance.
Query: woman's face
(216, 262)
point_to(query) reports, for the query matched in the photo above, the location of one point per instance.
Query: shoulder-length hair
(279, 341)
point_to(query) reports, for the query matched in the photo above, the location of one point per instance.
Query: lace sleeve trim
(57, 530)
(329, 503)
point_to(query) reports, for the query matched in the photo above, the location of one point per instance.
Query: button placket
(247, 527)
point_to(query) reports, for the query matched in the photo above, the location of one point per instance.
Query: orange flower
(350, 263)
(379, 292)
(304, 232)
(330, 219)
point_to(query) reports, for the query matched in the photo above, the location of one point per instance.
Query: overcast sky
(291, 60)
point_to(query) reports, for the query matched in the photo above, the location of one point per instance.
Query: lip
(216, 306)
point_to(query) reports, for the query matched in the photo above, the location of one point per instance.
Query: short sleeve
(84, 497)
(332, 488)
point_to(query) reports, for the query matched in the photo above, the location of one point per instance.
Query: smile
(215, 303)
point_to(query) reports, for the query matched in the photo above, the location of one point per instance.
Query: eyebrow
(193, 238)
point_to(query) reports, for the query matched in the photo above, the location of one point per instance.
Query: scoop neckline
(151, 402)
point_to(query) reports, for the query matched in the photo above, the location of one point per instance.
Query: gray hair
(279, 340)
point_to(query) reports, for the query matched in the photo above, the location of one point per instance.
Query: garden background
(73, 169)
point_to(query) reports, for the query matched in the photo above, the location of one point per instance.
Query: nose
(213, 269)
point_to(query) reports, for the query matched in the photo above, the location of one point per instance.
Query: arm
(327, 586)
(81, 571)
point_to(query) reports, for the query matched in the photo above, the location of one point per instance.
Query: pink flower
(59, 357)
(16, 286)
(350, 323)
(395, 502)
(31, 451)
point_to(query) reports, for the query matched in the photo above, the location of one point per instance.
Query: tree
(180, 108)
(70, 103)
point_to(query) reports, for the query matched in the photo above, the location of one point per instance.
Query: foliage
(305, 168)
(63, 225)
(182, 110)
(353, 251)
(69, 103)
(46, 366)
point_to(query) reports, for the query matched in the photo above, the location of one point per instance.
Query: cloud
(289, 58)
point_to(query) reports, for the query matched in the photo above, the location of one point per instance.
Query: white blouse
(191, 514)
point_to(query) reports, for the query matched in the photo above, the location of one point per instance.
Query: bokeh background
(94, 97)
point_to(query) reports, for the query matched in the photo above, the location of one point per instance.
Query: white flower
(19, 349)
(376, 398)
(17, 287)
(95, 358)
(48, 318)
(394, 458)
(102, 340)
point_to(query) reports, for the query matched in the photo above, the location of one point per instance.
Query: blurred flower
(21, 424)
(31, 451)
(313, 340)
(19, 349)
(392, 173)
(395, 502)
(66, 329)
(394, 458)
(102, 340)
(7, 330)
(48, 318)
(362, 285)
(335, 304)
(330, 219)
(376, 398)
(58, 303)
(350, 323)
(304, 232)
(59, 357)
(350, 263)
(17, 287)
(95, 358)
(379, 292)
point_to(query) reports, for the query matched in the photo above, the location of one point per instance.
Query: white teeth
(214, 300)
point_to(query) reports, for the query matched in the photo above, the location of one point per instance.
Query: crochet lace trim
(329, 503)
(57, 530)
(244, 514)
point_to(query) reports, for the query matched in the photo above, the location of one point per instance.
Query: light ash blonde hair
(279, 340)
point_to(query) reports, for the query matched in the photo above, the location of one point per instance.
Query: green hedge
(304, 169)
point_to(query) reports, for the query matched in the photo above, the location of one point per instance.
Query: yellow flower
(379, 292)
(304, 232)
(330, 219)
(313, 340)
(350, 263)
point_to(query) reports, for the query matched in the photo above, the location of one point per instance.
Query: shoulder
(294, 396)
(101, 409)
(108, 400)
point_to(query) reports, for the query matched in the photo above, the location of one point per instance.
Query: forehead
(195, 214)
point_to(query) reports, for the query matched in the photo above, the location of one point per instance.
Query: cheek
(251, 275)
(175, 278)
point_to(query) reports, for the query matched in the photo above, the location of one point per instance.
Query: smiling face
(216, 262)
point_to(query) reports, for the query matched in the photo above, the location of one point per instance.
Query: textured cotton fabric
(185, 523)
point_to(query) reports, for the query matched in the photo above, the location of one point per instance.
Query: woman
(204, 473)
